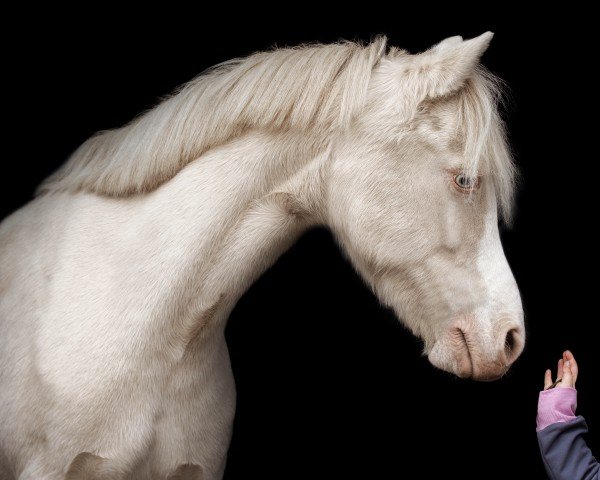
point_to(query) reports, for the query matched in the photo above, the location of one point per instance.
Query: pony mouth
(459, 352)
(464, 360)
(466, 363)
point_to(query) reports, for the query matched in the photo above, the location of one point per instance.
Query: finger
(559, 369)
(573, 364)
(547, 379)
(567, 377)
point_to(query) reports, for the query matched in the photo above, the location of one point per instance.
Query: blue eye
(465, 182)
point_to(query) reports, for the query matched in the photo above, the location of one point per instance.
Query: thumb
(567, 378)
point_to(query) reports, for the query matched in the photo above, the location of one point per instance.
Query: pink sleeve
(556, 405)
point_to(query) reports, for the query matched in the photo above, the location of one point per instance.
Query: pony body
(116, 281)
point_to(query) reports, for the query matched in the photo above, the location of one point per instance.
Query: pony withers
(116, 281)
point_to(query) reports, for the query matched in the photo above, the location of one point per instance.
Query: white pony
(116, 281)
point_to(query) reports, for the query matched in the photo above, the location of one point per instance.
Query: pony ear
(448, 42)
(445, 67)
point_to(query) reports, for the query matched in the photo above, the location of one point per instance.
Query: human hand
(566, 374)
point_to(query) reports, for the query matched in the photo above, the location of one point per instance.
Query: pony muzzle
(466, 353)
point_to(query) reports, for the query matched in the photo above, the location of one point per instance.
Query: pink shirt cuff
(556, 405)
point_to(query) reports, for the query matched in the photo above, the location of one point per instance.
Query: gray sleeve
(564, 451)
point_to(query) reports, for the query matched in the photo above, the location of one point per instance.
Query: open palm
(566, 373)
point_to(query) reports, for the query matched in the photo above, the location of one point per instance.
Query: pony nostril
(510, 341)
(512, 345)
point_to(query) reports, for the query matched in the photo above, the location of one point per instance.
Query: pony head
(418, 184)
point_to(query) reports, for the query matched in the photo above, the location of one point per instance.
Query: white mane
(315, 88)
(312, 87)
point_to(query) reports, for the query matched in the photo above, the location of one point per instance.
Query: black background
(329, 384)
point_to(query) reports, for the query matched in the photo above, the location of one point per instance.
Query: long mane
(318, 87)
(314, 88)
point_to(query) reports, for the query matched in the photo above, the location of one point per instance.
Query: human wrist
(556, 405)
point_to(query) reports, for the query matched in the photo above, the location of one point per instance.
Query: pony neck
(225, 219)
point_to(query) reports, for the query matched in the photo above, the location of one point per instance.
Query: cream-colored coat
(116, 281)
